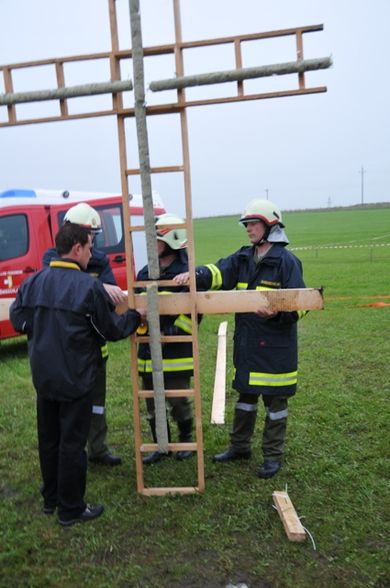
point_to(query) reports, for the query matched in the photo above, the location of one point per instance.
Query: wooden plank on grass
(283, 300)
(290, 520)
(218, 406)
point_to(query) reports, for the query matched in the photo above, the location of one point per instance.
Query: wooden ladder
(138, 394)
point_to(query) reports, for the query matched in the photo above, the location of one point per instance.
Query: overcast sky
(301, 152)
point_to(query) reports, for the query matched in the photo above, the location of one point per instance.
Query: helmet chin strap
(167, 252)
(264, 237)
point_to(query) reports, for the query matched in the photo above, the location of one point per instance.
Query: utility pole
(266, 191)
(362, 170)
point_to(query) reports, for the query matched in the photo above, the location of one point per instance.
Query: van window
(110, 240)
(111, 237)
(13, 236)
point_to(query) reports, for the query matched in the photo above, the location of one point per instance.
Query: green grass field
(336, 466)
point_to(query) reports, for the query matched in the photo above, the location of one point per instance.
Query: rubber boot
(156, 455)
(240, 437)
(185, 436)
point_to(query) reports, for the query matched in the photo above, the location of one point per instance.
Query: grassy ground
(336, 466)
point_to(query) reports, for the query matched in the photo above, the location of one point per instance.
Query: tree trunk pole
(150, 230)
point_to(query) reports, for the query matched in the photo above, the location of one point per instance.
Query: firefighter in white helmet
(265, 342)
(99, 267)
(177, 357)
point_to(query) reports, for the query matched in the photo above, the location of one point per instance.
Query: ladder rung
(144, 283)
(170, 490)
(134, 228)
(146, 447)
(166, 338)
(168, 393)
(156, 170)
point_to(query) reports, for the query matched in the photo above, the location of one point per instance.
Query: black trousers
(62, 435)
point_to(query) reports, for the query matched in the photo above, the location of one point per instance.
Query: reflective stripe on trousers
(277, 415)
(98, 409)
(268, 379)
(246, 407)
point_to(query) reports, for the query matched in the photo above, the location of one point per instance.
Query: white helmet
(263, 210)
(84, 215)
(174, 238)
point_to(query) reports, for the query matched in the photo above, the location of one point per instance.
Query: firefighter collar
(68, 264)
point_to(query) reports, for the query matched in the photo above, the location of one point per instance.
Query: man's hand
(266, 313)
(143, 313)
(182, 279)
(115, 293)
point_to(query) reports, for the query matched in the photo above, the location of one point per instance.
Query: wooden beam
(290, 520)
(218, 406)
(236, 301)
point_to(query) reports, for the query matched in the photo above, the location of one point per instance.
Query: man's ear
(76, 249)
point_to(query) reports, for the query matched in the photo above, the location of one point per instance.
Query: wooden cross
(192, 302)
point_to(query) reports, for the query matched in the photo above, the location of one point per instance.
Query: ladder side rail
(191, 250)
(130, 271)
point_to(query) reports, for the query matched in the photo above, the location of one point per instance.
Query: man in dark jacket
(66, 315)
(99, 267)
(177, 357)
(265, 343)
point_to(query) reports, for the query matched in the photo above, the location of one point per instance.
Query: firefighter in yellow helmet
(99, 267)
(265, 342)
(177, 357)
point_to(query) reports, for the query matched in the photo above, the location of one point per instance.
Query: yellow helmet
(174, 238)
(84, 215)
(263, 210)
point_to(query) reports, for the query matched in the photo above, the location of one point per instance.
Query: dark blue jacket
(98, 267)
(67, 316)
(265, 350)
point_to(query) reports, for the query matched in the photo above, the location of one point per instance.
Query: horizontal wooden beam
(236, 301)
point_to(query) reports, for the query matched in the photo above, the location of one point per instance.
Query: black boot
(240, 437)
(269, 468)
(230, 454)
(185, 436)
(156, 455)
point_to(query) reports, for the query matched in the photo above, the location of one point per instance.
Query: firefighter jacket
(177, 357)
(265, 350)
(98, 267)
(66, 315)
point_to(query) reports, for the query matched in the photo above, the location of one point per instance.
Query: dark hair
(70, 234)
